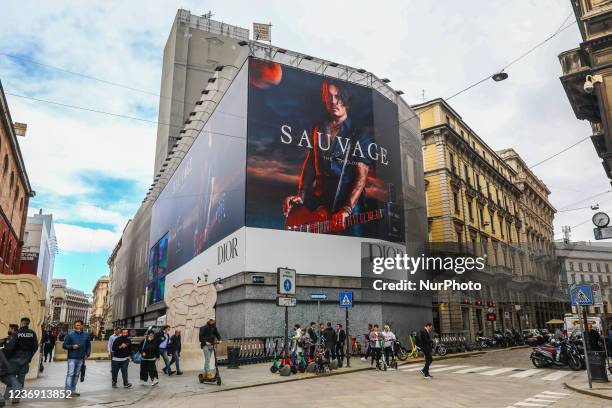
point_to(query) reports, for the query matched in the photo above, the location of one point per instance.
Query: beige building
(100, 298)
(66, 305)
(487, 203)
(587, 74)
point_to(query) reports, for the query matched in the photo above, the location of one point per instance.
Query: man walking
(340, 343)
(49, 339)
(312, 333)
(122, 350)
(111, 340)
(25, 348)
(208, 336)
(78, 345)
(164, 340)
(425, 342)
(175, 349)
(8, 372)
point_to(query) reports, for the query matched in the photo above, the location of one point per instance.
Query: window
(492, 222)
(582, 278)
(591, 278)
(501, 226)
(462, 135)
(488, 191)
(571, 266)
(589, 267)
(580, 266)
(598, 266)
(470, 212)
(26, 235)
(477, 177)
(573, 278)
(466, 174)
(481, 215)
(447, 120)
(456, 200)
(609, 281)
(452, 163)
(607, 268)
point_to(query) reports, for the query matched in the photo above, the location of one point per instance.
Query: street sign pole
(286, 331)
(348, 348)
(585, 342)
(319, 319)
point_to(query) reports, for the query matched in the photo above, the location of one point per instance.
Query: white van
(572, 324)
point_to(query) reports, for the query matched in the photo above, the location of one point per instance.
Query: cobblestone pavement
(497, 379)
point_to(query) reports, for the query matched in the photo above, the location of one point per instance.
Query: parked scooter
(559, 354)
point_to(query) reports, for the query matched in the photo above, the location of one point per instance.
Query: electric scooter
(216, 379)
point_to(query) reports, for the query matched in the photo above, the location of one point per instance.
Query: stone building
(97, 322)
(587, 74)
(66, 305)
(16, 193)
(479, 201)
(587, 263)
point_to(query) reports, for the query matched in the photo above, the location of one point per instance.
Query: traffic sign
(285, 281)
(346, 299)
(582, 295)
(286, 301)
(318, 296)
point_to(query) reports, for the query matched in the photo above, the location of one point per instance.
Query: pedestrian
(149, 352)
(111, 340)
(25, 348)
(175, 349)
(425, 342)
(78, 345)
(389, 337)
(122, 351)
(49, 340)
(296, 340)
(375, 350)
(8, 370)
(329, 335)
(163, 338)
(340, 341)
(312, 333)
(209, 335)
(594, 339)
(367, 343)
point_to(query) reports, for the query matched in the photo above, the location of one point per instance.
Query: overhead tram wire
(585, 199)
(562, 151)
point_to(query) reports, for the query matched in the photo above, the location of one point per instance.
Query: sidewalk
(579, 383)
(97, 391)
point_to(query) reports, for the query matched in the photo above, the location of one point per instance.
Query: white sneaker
(144, 383)
(155, 382)
(363, 359)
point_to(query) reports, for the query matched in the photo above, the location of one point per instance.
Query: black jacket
(27, 343)
(9, 345)
(174, 346)
(312, 333)
(208, 334)
(330, 337)
(341, 336)
(424, 341)
(122, 352)
(149, 350)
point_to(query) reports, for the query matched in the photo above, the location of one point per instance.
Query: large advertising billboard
(204, 200)
(323, 155)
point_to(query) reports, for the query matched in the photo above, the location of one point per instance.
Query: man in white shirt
(111, 340)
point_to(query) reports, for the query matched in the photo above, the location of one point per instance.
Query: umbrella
(555, 321)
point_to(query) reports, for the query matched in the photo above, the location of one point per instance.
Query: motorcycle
(400, 351)
(484, 341)
(546, 356)
(438, 347)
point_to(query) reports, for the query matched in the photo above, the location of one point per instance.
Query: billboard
(204, 200)
(323, 156)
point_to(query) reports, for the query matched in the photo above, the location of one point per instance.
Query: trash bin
(233, 357)
(597, 366)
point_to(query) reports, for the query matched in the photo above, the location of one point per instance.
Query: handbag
(137, 357)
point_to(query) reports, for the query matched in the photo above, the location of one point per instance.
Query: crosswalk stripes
(543, 399)
(526, 373)
(556, 376)
(417, 368)
(472, 370)
(498, 371)
(438, 369)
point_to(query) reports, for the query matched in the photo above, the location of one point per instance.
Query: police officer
(7, 370)
(25, 348)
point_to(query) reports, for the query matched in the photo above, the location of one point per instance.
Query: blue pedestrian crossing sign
(346, 299)
(582, 295)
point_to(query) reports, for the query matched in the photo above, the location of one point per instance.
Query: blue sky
(92, 171)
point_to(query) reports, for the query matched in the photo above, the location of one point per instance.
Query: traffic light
(491, 317)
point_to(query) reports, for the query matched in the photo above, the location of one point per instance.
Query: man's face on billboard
(335, 105)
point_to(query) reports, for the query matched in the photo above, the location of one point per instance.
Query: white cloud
(72, 238)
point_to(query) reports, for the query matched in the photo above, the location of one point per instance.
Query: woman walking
(149, 351)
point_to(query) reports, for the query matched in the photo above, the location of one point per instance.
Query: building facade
(587, 74)
(195, 47)
(39, 248)
(587, 263)
(66, 305)
(97, 323)
(16, 193)
(478, 200)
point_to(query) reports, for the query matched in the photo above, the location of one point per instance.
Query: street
(498, 378)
